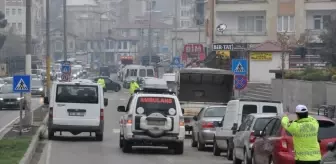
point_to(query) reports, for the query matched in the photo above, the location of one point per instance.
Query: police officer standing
(133, 86)
(101, 82)
(305, 136)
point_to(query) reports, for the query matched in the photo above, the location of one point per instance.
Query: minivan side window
(269, 109)
(269, 127)
(276, 128)
(243, 125)
(248, 109)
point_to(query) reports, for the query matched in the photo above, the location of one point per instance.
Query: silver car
(244, 138)
(204, 127)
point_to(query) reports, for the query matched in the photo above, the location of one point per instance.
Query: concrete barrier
(312, 94)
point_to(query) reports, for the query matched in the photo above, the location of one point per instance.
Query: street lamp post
(150, 33)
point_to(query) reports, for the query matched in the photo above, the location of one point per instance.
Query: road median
(19, 149)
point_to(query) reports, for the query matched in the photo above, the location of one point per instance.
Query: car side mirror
(121, 109)
(195, 118)
(331, 146)
(258, 133)
(105, 102)
(46, 100)
(182, 110)
(234, 128)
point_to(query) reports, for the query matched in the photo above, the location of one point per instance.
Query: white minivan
(76, 107)
(236, 112)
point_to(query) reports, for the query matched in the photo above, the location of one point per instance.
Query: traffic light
(3, 21)
(302, 51)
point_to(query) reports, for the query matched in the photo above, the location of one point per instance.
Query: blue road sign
(239, 66)
(176, 63)
(21, 83)
(66, 67)
(240, 82)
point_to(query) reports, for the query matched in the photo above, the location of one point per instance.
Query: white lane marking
(168, 159)
(122, 99)
(9, 124)
(48, 152)
(116, 130)
(126, 92)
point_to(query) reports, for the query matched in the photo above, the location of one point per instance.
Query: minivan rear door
(77, 104)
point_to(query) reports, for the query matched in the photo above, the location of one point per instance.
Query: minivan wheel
(247, 160)
(229, 151)
(127, 147)
(216, 150)
(120, 141)
(51, 134)
(117, 89)
(235, 160)
(99, 136)
(179, 148)
(193, 142)
(200, 146)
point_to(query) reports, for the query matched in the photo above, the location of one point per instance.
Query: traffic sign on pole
(239, 66)
(240, 82)
(21, 83)
(176, 62)
(66, 67)
(65, 77)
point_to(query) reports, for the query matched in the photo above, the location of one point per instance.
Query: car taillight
(283, 145)
(207, 125)
(129, 121)
(101, 114)
(181, 122)
(252, 138)
(186, 120)
(51, 112)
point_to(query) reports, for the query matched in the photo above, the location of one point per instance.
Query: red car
(275, 146)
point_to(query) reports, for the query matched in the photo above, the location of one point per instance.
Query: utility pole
(150, 33)
(100, 36)
(48, 46)
(27, 96)
(65, 41)
(176, 25)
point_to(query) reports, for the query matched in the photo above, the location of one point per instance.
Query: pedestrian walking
(305, 136)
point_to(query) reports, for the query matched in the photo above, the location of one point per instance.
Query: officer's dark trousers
(307, 162)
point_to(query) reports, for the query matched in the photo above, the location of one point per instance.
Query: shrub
(333, 78)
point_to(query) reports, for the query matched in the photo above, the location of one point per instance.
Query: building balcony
(241, 5)
(319, 4)
(235, 36)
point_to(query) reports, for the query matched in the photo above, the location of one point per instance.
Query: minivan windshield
(150, 73)
(156, 105)
(142, 73)
(84, 94)
(215, 112)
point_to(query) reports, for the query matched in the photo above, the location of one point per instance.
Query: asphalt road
(83, 149)
(8, 116)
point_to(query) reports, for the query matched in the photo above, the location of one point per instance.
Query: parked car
(110, 84)
(204, 129)
(244, 138)
(37, 87)
(275, 145)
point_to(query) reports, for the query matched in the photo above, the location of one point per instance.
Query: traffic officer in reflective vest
(305, 132)
(101, 82)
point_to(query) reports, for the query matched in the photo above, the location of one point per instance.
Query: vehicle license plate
(156, 122)
(76, 113)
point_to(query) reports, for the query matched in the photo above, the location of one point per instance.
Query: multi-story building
(256, 21)
(130, 9)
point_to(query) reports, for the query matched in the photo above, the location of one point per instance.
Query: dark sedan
(110, 85)
(9, 99)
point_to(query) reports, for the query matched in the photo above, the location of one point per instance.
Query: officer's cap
(301, 109)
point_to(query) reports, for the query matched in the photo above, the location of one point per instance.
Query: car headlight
(140, 110)
(19, 98)
(41, 89)
(172, 111)
(1, 99)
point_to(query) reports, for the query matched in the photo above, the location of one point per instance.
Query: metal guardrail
(327, 110)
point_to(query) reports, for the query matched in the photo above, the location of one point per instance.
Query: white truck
(201, 87)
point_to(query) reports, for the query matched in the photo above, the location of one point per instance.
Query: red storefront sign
(193, 51)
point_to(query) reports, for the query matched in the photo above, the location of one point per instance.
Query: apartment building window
(14, 26)
(19, 11)
(321, 21)
(185, 3)
(119, 45)
(20, 27)
(251, 24)
(185, 13)
(13, 11)
(7, 12)
(125, 45)
(185, 23)
(58, 46)
(286, 24)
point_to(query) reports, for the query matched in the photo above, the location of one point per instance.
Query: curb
(34, 142)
